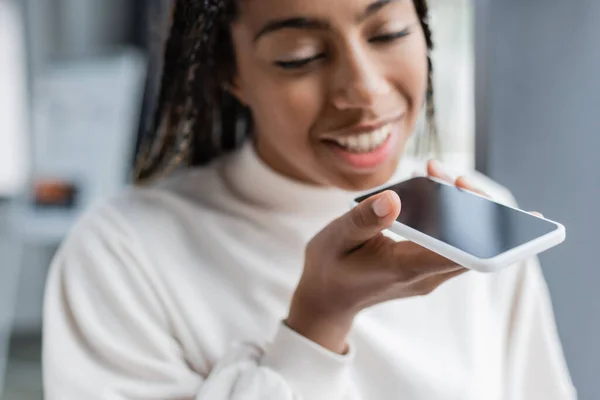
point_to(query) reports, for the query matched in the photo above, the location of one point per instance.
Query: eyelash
(390, 37)
(297, 64)
(381, 39)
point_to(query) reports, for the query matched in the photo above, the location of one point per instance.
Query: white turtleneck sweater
(178, 292)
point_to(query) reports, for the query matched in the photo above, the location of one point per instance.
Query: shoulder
(142, 222)
(130, 247)
(188, 195)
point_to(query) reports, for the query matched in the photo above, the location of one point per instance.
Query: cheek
(283, 108)
(409, 72)
(287, 108)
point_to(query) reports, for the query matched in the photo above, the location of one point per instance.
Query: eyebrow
(315, 23)
(375, 7)
(293, 23)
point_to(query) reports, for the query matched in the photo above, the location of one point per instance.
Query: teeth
(351, 142)
(365, 142)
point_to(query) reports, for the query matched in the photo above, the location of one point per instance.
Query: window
(454, 79)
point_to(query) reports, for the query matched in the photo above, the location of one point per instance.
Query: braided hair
(196, 120)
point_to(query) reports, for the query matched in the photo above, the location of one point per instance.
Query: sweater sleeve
(536, 367)
(107, 336)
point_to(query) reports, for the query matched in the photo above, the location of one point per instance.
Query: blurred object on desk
(54, 193)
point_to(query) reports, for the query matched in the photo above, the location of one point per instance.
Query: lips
(363, 137)
(358, 158)
(365, 146)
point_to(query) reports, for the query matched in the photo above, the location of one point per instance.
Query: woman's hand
(351, 266)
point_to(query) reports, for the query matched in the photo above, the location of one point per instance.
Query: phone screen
(463, 220)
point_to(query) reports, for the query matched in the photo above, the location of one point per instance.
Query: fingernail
(382, 206)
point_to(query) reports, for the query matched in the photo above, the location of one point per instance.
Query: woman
(244, 276)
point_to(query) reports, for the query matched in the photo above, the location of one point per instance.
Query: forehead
(259, 11)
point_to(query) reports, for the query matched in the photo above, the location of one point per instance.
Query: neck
(279, 164)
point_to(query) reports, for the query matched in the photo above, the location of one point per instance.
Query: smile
(364, 142)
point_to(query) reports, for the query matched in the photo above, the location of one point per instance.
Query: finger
(465, 184)
(364, 221)
(427, 286)
(441, 278)
(417, 263)
(445, 269)
(436, 170)
(537, 214)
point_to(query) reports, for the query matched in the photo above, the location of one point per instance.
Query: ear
(234, 87)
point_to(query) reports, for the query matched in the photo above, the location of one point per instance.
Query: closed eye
(390, 36)
(300, 63)
(295, 64)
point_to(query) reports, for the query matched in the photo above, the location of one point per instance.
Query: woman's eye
(389, 37)
(296, 64)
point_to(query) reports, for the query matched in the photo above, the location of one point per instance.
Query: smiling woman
(301, 60)
(243, 275)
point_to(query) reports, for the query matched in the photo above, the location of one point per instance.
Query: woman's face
(334, 86)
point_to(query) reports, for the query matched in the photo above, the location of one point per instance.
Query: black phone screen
(463, 220)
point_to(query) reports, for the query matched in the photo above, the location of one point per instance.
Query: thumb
(367, 219)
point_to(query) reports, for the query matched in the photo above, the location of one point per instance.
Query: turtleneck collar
(258, 184)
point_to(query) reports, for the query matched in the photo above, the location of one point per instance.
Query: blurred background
(517, 98)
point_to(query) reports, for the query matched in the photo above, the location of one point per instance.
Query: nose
(357, 81)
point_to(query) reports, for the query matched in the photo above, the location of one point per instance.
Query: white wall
(453, 58)
(13, 120)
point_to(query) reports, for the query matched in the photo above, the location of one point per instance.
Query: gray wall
(539, 134)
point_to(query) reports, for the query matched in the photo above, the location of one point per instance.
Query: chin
(356, 182)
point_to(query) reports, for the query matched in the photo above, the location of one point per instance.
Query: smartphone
(467, 228)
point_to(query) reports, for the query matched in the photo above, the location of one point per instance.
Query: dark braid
(196, 119)
(428, 143)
